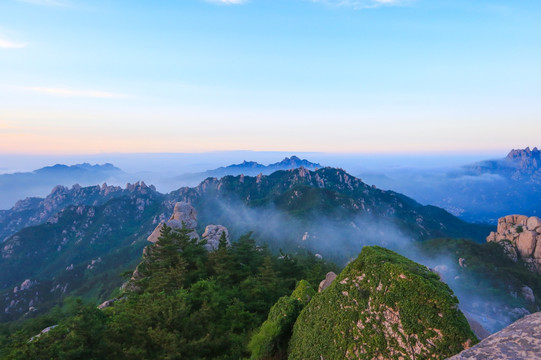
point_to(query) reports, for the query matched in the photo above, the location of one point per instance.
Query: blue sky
(368, 76)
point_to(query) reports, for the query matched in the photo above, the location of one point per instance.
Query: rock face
(212, 234)
(382, 306)
(183, 214)
(520, 340)
(521, 238)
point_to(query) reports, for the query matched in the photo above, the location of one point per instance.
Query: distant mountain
(35, 211)
(20, 185)
(250, 168)
(80, 235)
(523, 165)
(479, 192)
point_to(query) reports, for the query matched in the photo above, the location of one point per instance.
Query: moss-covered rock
(384, 306)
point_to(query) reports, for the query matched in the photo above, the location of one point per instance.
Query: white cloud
(6, 44)
(227, 2)
(45, 2)
(75, 93)
(364, 4)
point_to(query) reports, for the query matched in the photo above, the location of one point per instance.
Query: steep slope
(381, 306)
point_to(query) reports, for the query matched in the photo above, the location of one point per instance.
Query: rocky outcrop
(520, 237)
(325, 283)
(382, 306)
(520, 340)
(212, 235)
(184, 214)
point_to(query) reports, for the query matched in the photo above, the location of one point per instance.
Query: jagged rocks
(212, 235)
(184, 214)
(520, 237)
(520, 340)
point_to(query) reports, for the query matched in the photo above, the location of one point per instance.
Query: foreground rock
(521, 238)
(382, 306)
(520, 340)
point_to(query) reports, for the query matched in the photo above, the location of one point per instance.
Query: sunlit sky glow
(100, 76)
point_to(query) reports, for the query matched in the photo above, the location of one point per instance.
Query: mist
(341, 240)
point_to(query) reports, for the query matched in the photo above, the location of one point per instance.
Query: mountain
(79, 251)
(381, 306)
(522, 165)
(481, 192)
(34, 211)
(29, 184)
(324, 210)
(327, 212)
(249, 168)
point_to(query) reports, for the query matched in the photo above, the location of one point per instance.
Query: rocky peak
(184, 214)
(521, 238)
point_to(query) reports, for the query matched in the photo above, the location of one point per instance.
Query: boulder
(520, 237)
(212, 234)
(534, 224)
(327, 282)
(526, 243)
(184, 214)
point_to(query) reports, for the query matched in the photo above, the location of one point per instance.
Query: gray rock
(212, 234)
(183, 214)
(520, 340)
(327, 282)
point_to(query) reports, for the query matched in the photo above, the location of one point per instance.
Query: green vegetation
(271, 340)
(382, 305)
(189, 304)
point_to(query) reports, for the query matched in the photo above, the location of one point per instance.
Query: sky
(344, 76)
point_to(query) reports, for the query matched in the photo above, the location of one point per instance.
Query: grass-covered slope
(382, 305)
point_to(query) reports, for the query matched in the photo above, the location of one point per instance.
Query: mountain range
(52, 242)
(249, 168)
(481, 192)
(21, 185)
